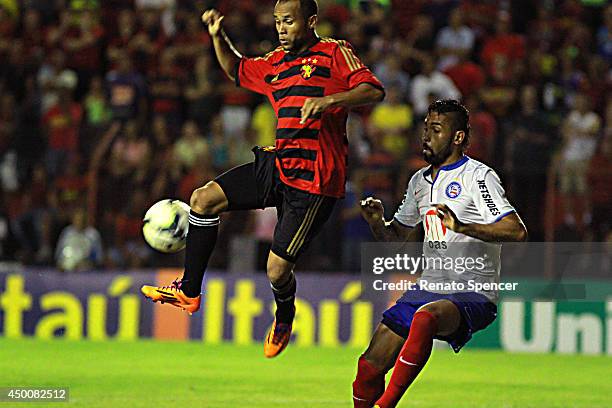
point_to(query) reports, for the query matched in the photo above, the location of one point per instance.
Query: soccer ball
(166, 224)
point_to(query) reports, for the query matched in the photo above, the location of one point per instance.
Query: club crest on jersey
(453, 190)
(308, 67)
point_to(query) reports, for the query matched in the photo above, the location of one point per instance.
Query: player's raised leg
(374, 364)
(283, 283)
(439, 318)
(301, 216)
(206, 203)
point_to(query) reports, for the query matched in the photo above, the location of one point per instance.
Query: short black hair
(308, 7)
(459, 113)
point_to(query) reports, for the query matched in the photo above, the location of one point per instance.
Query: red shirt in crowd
(63, 126)
(467, 76)
(312, 156)
(500, 53)
(483, 135)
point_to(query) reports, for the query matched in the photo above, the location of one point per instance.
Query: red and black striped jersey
(310, 156)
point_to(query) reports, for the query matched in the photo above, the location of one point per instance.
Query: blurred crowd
(108, 106)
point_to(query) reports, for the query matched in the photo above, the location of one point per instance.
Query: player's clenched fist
(212, 18)
(372, 209)
(448, 217)
(313, 106)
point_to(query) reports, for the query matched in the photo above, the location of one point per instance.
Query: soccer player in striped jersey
(458, 208)
(311, 83)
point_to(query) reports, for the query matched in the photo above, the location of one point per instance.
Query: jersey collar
(456, 164)
(306, 53)
(451, 166)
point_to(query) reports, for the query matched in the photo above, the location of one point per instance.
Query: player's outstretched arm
(372, 211)
(362, 94)
(509, 229)
(226, 53)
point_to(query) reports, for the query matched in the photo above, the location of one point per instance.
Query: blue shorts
(477, 312)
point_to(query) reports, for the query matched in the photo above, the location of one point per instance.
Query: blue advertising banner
(331, 312)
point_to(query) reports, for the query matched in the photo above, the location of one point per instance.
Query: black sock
(201, 239)
(284, 295)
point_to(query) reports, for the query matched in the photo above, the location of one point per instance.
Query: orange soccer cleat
(277, 339)
(173, 295)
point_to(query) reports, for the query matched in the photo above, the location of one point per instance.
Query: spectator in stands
(600, 180)
(468, 76)
(97, 111)
(8, 121)
(191, 146)
(219, 145)
(503, 51)
(166, 89)
(166, 10)
(29, 137)
(127, 89)
(431, 82)
(392, 119)
(528, 150)
(579, 130)
(30, 223)
(390, 72)
(47, 47)
(263, 123)
(167, 170)
(50, 75)
(355, 229)
(191, 42)
(97, 115)
(200, 94)
(126, 29)
(201, 170)
(69, 188)
(129, 249)
(148, 41)
(604, 36)
(131, 148)
(420, 40)
(7, 239)
(80, 38)
(483, 131)
(454, 42)
(8, 28)
(33, 36)
(79, 246)
(61, 124)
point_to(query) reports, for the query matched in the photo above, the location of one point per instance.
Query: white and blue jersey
(473, 191)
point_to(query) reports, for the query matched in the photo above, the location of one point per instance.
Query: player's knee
(384, 348)
(447, 316)
(206, 200)
(278, 270)
(434, 308)
(377, 360)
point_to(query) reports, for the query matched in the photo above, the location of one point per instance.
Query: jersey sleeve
(408, 213)
(351, 70)
(251, 73)
(490, 197)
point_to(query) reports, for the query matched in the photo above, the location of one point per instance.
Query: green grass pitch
(184, 375)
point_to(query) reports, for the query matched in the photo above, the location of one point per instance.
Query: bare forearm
(494, 232)
(226, 53)
(384, 231)
(363, 94)
(392, 231)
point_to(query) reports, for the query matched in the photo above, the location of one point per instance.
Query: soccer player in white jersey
(452, 201)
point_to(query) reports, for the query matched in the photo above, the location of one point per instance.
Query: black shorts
(257, 185)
